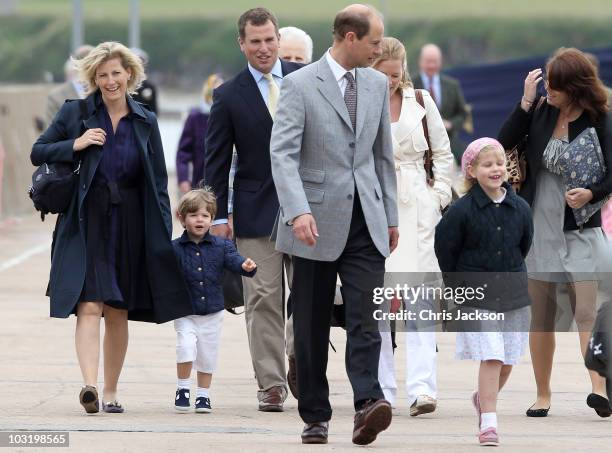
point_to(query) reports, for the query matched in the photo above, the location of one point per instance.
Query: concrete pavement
(40, 381)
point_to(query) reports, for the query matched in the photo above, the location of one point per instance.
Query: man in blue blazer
(242, 116)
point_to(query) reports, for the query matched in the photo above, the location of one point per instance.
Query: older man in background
(70, 89)
(445, 91)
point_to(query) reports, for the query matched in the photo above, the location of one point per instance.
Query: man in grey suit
(332, 164)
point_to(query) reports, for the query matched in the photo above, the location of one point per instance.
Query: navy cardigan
(476, 236)
(203, 265)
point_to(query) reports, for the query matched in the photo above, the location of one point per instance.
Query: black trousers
(361, 267)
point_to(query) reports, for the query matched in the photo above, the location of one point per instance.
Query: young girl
(489, 230)
(202, 258)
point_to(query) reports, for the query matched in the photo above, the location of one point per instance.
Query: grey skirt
(563, 256)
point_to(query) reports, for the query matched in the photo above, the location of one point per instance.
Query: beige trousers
(265, 312)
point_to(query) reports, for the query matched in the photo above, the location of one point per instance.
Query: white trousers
(421, 378)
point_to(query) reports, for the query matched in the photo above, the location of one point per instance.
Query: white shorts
(197, 340)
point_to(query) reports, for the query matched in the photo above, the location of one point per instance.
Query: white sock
(489, 420)
(184, 383)
(202, 392)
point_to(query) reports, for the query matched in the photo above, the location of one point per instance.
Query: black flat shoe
(600, 404)
(537, 412)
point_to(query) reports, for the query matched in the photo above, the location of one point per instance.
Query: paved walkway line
(25, 256)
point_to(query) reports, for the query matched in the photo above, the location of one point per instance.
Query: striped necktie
(273, 93)
(350, 98)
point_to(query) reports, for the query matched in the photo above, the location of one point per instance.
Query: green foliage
(184, 51)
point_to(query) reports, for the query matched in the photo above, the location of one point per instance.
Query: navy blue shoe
(181, 402)
(202, 405)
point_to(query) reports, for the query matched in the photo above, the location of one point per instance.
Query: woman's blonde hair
(103, 52)
(212, 82)
(393, 49)
(468, 181)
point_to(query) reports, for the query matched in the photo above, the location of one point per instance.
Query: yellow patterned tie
(273, 93)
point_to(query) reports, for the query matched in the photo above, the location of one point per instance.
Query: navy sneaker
(202, 405)
(181, 402)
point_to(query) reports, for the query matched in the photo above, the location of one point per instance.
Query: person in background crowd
(112, 254)
(295, 45)
(70, 89)
(445, 91)
(147, 92)
(562, 253)
(242, 114)
(203, 259)
(191, 148)
(419, 206)
(332, 163)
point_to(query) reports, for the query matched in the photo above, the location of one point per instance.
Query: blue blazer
(239, 116)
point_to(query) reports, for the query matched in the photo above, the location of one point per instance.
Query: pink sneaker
(476, 404)
(488, 437)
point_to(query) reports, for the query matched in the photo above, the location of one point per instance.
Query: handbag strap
(428, 158)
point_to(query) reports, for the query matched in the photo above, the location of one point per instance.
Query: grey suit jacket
(318, 160)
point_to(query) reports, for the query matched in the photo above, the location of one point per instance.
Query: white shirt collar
(337, 70)
(502, 197)
(277, 71)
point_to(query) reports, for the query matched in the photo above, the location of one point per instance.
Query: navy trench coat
(169, 294)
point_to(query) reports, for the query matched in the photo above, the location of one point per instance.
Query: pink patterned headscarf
(474, 149)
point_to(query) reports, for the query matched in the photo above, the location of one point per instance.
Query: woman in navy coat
(112, 254)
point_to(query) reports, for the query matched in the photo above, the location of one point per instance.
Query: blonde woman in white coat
(419, 206)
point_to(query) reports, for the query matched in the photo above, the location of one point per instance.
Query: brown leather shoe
(292, 377)
(272, 399)
(315, 433)
(373, 418)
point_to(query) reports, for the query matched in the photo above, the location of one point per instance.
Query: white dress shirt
(338, 71)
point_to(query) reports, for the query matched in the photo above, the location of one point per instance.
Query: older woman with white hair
(295, 45)
(112, 256)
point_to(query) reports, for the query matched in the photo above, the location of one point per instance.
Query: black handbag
(233, 295)
(53, 184)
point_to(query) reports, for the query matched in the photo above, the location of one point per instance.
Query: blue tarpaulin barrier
(493, 90)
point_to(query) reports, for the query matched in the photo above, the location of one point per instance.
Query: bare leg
(115, 348)
(488, 384)
(87, 340)
(504, 375)
(542, 338)
(204, 380)
(183, 370)
(583, 298)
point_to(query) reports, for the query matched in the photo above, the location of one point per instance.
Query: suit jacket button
(352, 144)
(349, 196)
(84, 186)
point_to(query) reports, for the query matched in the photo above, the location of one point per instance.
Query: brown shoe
(315, 433)
(272, 399)
(373, 418)
(292, 377)
(88, 397)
